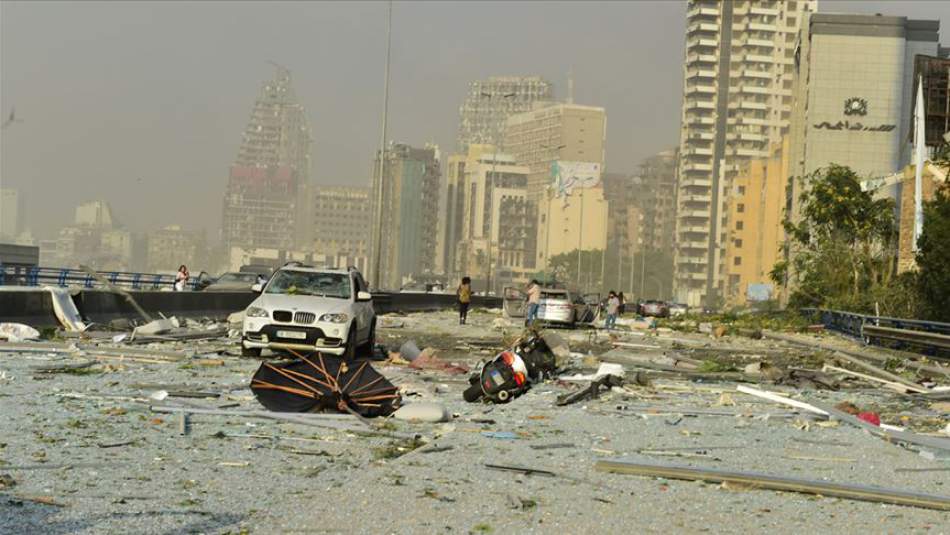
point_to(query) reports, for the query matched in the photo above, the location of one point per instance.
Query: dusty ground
(83, 453)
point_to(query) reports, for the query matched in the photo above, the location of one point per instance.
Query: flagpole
(919, 155)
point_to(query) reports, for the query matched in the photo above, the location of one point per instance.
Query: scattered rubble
(108, 431)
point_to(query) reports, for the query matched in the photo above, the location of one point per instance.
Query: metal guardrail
(66, 277)
(932, 335)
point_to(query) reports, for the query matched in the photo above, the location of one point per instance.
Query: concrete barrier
(34, 306)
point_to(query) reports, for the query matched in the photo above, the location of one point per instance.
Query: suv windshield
(308, 283)
(238, 277)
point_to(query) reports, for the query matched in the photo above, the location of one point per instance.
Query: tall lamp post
(547, 232)
(378, 223)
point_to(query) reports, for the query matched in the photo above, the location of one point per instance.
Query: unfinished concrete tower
(265, 202)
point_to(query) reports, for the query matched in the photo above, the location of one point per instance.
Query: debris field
(643, 429)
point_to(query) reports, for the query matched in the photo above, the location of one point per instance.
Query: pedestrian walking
(464, 293)
(534, 301)
(613, 308)
(623, 304)
(181, 278)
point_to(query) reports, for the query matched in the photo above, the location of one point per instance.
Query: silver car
(558, 306)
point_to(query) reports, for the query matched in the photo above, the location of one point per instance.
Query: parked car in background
(678, 309)
(233, 282)
(654, 308)
(309, 309)
(558, 306)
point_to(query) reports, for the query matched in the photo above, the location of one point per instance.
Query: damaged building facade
(265, 201)
(341, 217)
(405, 210)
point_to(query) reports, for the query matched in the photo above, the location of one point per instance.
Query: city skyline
(161, 155)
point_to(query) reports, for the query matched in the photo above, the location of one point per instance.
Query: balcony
(693, 229)
(697, 151)
(700, 120)
(701, 245)
(755, 90)
(762, 27)
(695, 198)
(704, 214)
(703, 11)
(700, 105)
(701, 89)
(757, 58)
(702, 27)
(752, 105)
(700, 58)
(701, 41)
(695, 166)
(760, 42)
(700, 73)
(701, 136)
(751, 153)
(767, 11)
(760, 75)
(690, 182)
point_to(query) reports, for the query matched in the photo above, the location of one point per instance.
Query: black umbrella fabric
(319, 383)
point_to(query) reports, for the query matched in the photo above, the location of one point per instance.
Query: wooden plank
(780, 483)
(913, 387)
(889, 384)
(772, 396)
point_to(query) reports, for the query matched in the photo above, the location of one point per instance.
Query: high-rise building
(490, 102)
(342, 222)
(11, 213)
(262, 204)
(173, 246)
(541, 139)
(739, 73)
(559, 132)
(934, 72)
(494, 243)
(755, 210)
(656, 199)
(406, 219)
(450, 225)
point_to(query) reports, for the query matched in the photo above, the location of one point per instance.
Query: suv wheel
(370, 343)
(253, 352)
(349, 353)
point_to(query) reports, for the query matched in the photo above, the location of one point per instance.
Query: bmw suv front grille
(305, 317)
(283, 315)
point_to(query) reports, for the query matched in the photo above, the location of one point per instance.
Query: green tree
(843, 249)
(933, 258)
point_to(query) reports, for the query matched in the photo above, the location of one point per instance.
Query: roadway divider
(33, 306)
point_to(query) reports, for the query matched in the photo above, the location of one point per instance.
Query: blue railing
(852, 324)
(67, 277)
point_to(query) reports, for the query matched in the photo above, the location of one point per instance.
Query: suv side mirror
(364, 296)
(257, 288)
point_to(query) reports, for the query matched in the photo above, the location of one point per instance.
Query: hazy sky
(143, 103)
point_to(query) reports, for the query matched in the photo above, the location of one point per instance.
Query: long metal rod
(788, 484)
(378, 223)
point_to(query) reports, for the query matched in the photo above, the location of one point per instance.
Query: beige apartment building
(496, 220)
(755, 210)
(538, 139)
(739, 73)
(557, 132)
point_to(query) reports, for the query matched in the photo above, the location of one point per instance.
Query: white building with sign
(854, 92)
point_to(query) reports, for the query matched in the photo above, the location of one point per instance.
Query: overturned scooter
(511, 372)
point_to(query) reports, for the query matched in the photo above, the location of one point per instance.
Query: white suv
(309, 309)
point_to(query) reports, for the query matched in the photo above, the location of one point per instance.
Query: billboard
(565, 176)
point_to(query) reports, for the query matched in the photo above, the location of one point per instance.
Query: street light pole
(378, 223)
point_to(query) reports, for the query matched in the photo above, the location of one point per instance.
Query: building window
(738, 244)
(738, 225)
(740, 208)
(737, 261)
(741, 190)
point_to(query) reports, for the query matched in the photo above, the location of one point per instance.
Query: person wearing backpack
(464, 293)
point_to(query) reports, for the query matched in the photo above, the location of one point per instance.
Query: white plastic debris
(18, 332)
(423, 412)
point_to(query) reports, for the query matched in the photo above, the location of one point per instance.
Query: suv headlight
(334, 318)
(256, 312)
